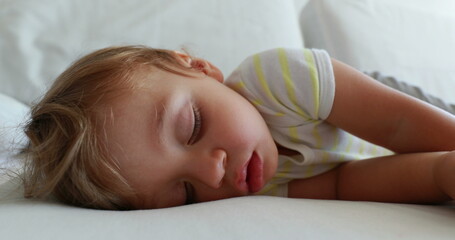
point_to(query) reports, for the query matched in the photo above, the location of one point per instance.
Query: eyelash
(189, 190)
(197, 125)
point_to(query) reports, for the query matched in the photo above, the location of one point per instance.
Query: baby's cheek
(246, 137)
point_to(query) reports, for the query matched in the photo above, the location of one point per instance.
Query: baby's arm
(398, 122)
(388, 117)
(403, 178)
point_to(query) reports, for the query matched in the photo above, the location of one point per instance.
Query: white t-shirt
(294, 90)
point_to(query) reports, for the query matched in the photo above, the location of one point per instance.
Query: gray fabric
(413, 91)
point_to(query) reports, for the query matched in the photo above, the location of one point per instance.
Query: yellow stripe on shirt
(314, 79)
(290, 87)
(240, 85)
(261, 77)
(350, 143)
(317, 136)
(336, 141)
(285, 170)
(293, 133)
(309, 171)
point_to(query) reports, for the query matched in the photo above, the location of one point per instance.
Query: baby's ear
(201, 65)
(184, 58)
(207, 68)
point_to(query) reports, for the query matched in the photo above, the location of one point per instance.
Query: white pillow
(39, 39)
(13, 115)
(412, 40)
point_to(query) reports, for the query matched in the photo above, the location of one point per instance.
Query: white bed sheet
(257, 217)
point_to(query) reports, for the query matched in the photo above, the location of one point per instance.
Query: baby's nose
(210, 169)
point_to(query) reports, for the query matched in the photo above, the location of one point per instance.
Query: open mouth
(254, 174)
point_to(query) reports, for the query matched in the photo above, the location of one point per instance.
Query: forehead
(153, 78)
(135, 111)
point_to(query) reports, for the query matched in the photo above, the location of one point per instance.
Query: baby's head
(133, 127)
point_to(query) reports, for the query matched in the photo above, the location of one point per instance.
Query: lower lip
(254, 177)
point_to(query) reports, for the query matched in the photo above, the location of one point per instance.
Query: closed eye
(196, 126)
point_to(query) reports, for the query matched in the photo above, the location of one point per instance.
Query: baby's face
(181, 139)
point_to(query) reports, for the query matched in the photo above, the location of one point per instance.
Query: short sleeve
(293, 82)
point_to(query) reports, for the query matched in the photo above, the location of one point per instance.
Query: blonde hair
(66, 156)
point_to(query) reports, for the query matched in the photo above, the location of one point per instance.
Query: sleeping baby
(132, 127)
